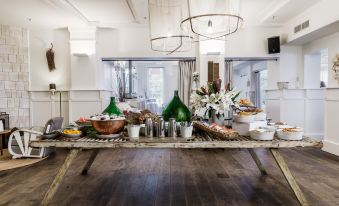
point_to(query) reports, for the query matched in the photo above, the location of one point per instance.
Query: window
(263, 87)
(148, 84)
(324, 67)
(156, 84)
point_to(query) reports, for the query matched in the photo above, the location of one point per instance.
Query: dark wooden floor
(176, 177)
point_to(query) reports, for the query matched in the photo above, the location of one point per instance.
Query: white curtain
(228, 73)
(186, 69)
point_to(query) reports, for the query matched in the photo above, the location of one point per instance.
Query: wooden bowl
(107, 127)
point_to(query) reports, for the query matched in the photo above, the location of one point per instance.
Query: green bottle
(177, 109)
(112, 108)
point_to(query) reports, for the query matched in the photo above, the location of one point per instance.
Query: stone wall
(14, 75)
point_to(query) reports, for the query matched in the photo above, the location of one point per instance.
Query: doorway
(250, 77)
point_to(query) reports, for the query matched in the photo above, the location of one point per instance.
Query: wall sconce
(52, 88)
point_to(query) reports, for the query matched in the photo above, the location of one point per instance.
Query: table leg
(58, 178)
(1, 144)
(90, 161)
(289, 177)
(257, 161)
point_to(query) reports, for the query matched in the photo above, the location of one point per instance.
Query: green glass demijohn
(177, 109)
(112, 108)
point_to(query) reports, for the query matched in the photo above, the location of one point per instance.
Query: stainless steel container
(148, 127)
(161, 127)
(172, 127)
(156, 131)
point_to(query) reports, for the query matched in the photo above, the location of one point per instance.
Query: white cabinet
(298, 107)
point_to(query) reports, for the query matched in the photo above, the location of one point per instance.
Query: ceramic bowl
(262, 134)
(71, 135)
(296, 135)
(244, 118)
(261, 116)
(107, 127)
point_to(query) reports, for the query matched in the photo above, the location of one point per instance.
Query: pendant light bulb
(209, 29)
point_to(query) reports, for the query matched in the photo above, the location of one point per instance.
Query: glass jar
(177, 109)
(112, 108)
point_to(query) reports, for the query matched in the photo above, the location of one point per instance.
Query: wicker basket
(214, 133)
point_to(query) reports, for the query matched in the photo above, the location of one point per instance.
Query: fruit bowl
(110, 126)
(71, 133)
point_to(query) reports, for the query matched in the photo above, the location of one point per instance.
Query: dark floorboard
(176, 177)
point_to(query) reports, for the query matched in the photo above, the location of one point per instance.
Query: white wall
(39, 42)
(291, 65)
(312, 67)
(273, 73)
(321, 14)
(131, 42)
(331, 42)
(250, 42)
(81, 76)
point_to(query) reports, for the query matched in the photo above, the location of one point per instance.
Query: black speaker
(273, 45)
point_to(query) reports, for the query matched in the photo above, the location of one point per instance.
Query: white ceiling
(280, 11)
(121, 13)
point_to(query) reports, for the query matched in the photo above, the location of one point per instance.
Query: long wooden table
(198, 142)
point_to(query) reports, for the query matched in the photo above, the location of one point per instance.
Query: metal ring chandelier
(212, 19)
(166, 34)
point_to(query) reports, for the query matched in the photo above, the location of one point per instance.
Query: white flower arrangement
(208, 99)
(335, 67)
(336, 63)
(195, 76)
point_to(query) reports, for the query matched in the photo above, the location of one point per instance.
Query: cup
(186, 132)
(133, 131)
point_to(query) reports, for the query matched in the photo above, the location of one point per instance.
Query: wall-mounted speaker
(273, 45)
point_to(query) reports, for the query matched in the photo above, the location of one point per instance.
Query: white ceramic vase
(133, 131)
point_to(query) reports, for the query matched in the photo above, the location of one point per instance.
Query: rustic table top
(170, 142)
(5, 132)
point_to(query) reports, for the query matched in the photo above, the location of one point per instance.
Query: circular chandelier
(166, 33)
(212, 19)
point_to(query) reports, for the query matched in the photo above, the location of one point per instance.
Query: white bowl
(262, 134)
(297, 135)
(244, 118)
(261, 116)
(280, 126)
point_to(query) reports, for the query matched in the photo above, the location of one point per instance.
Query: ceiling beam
(132, 10)
(71, 6)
